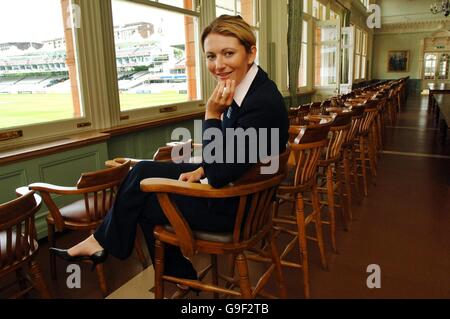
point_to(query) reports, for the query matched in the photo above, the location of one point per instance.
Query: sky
(34, 21)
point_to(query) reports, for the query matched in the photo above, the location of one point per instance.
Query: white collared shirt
(241, 90)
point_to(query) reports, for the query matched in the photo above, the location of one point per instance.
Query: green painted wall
(63, 169)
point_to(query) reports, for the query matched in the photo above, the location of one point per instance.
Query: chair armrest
(120, 160)
(55, 189)
(21, 191)
(172, 186)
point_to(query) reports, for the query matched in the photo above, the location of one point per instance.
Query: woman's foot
(87, 247)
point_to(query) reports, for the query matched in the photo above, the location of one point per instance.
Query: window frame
(34, 133)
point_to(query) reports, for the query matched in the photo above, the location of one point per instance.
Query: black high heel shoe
(96, 258)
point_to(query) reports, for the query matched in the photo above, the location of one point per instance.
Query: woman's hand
(192, 177)
(220, 99)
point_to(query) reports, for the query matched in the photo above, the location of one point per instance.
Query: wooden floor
(403, 226)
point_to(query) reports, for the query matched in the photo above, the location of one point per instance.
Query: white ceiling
(398, 11)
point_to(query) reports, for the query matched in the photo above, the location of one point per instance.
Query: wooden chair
(255, 191)
(366, 141)
(184, 151)
(307, 143)
(329, 164)
(98, 190)
(18, 244)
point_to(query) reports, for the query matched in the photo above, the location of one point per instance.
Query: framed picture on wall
(398, 61)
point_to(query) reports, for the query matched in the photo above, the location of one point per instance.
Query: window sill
(46, 148)
(139, 126)
(30, 151)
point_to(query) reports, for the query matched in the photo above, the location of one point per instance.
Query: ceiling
(406, 11)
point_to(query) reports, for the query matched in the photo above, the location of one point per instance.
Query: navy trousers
(133, 207)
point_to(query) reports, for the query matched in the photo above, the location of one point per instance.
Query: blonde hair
(232, 26)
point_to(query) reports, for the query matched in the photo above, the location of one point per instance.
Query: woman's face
(226, 57)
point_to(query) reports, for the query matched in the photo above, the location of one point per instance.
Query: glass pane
(430, 66)
(358, 41)
(156, 57)
(364, 43)
(345, 72)
(225, 7)
(325, 67)
(303, 71)
(245, 8)
(363, 67)
(443, 67)
(305, 32)
(186, 4)
(38, 71)
(315, 11)
(357, 66)
(326, 33)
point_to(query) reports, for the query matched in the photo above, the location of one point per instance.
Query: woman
(243, 98)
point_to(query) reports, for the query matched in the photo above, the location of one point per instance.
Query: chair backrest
(255, 208)
(370, 113)
(338, 134)
(357, 117)
(182, 151)
(306, 145)
(100, 188)
(17, 230)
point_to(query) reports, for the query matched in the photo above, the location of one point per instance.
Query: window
(303, 71)
(319, 10)
(443, 66)
(305, 6)
(333, 15)
(365, 3)
(360, 54)
(246, 9)
(326, 55)
(156, 55)
(430, 66)
(38, 64)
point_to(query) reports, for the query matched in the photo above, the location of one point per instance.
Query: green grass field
(25, 109)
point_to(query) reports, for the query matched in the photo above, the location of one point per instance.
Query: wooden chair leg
(355, 176)
(21, 280)
(331, 207)
(38, 280)
(372, 155)
(277, 263)
(343, 197)
(215, 274)
(348, 186)
(362, 157)
(52, 243)
(318, 223)
(159, 269)
(244, 280)
(300, 213)
(99, 269)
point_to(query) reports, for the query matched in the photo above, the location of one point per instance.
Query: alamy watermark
(249, 145)
(73, 20)
(74, 279)
(374, 279)
(374, 20)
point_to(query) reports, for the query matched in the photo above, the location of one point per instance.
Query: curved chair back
(338, 134)
(306, 145)
(18, 241)
(99, 189)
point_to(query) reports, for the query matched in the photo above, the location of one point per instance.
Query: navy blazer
(262, 107)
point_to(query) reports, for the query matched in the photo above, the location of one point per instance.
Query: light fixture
(444, 7)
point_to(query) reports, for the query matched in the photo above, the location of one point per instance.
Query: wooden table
(443, 112)
(436, 88)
